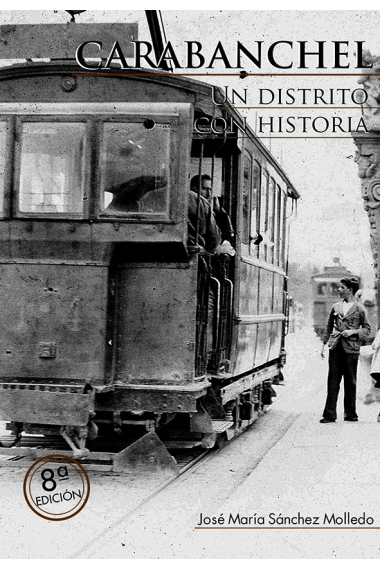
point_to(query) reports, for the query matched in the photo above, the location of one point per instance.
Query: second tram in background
(326, 293)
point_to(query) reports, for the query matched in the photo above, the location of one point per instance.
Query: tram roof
(202, 91)
(333, 273)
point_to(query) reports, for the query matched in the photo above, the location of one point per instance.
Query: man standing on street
(347, 326)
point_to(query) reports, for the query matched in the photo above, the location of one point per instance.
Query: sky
(331, 221)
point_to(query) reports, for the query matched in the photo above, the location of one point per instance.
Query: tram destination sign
(60, 41)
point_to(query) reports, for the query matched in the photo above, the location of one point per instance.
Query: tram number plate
(47, 349)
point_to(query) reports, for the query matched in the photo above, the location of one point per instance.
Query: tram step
(182, 444)
(219, 426)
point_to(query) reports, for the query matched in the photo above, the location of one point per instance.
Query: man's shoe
(350, 419)
(326, 421)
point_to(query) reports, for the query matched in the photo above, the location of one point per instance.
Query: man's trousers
(344, 364)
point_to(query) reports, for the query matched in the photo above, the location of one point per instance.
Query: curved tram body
(103, 305)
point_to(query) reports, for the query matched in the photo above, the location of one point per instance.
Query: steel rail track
(31, 448)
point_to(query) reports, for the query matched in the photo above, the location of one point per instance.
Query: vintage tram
(104, 306)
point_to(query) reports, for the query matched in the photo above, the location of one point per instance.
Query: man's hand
(225, 248)
(348, 333)
(323, 351)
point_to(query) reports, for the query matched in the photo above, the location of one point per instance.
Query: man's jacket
(209, 234)
(355, 319)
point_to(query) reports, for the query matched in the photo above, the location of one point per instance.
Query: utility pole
(156, 34)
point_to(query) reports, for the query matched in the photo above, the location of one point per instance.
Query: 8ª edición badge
(56, 487)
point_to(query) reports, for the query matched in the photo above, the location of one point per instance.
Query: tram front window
(52, 168)
(322, 289)
(135, 168)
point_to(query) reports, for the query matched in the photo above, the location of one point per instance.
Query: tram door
(215, 272)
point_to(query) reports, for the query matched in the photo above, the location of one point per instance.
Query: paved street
(286, 464)
(311, 469)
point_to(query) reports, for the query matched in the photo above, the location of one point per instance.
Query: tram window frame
(255, 211)
(322, 289)
(263, 212)
(86, 168)
(282, 227)
(333, 289)
(246, 213)
(173, 121)
(277, 226)
(270, 219)
(288, 211)
(5, 207)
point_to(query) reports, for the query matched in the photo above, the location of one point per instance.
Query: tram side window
(135, 168)
(334, 289)
(322, 289)
(263, 212)
(270, 221)
(52, 168)
(276, 225)
(3, 130)
(254, 208)
(246, 197)
(283, 232)
(288, 212)
(281, 224)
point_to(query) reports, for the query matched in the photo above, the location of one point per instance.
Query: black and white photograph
(189, 287)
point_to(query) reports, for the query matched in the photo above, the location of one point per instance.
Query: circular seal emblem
(56, 487)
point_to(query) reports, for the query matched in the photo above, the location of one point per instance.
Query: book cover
(106, 120)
